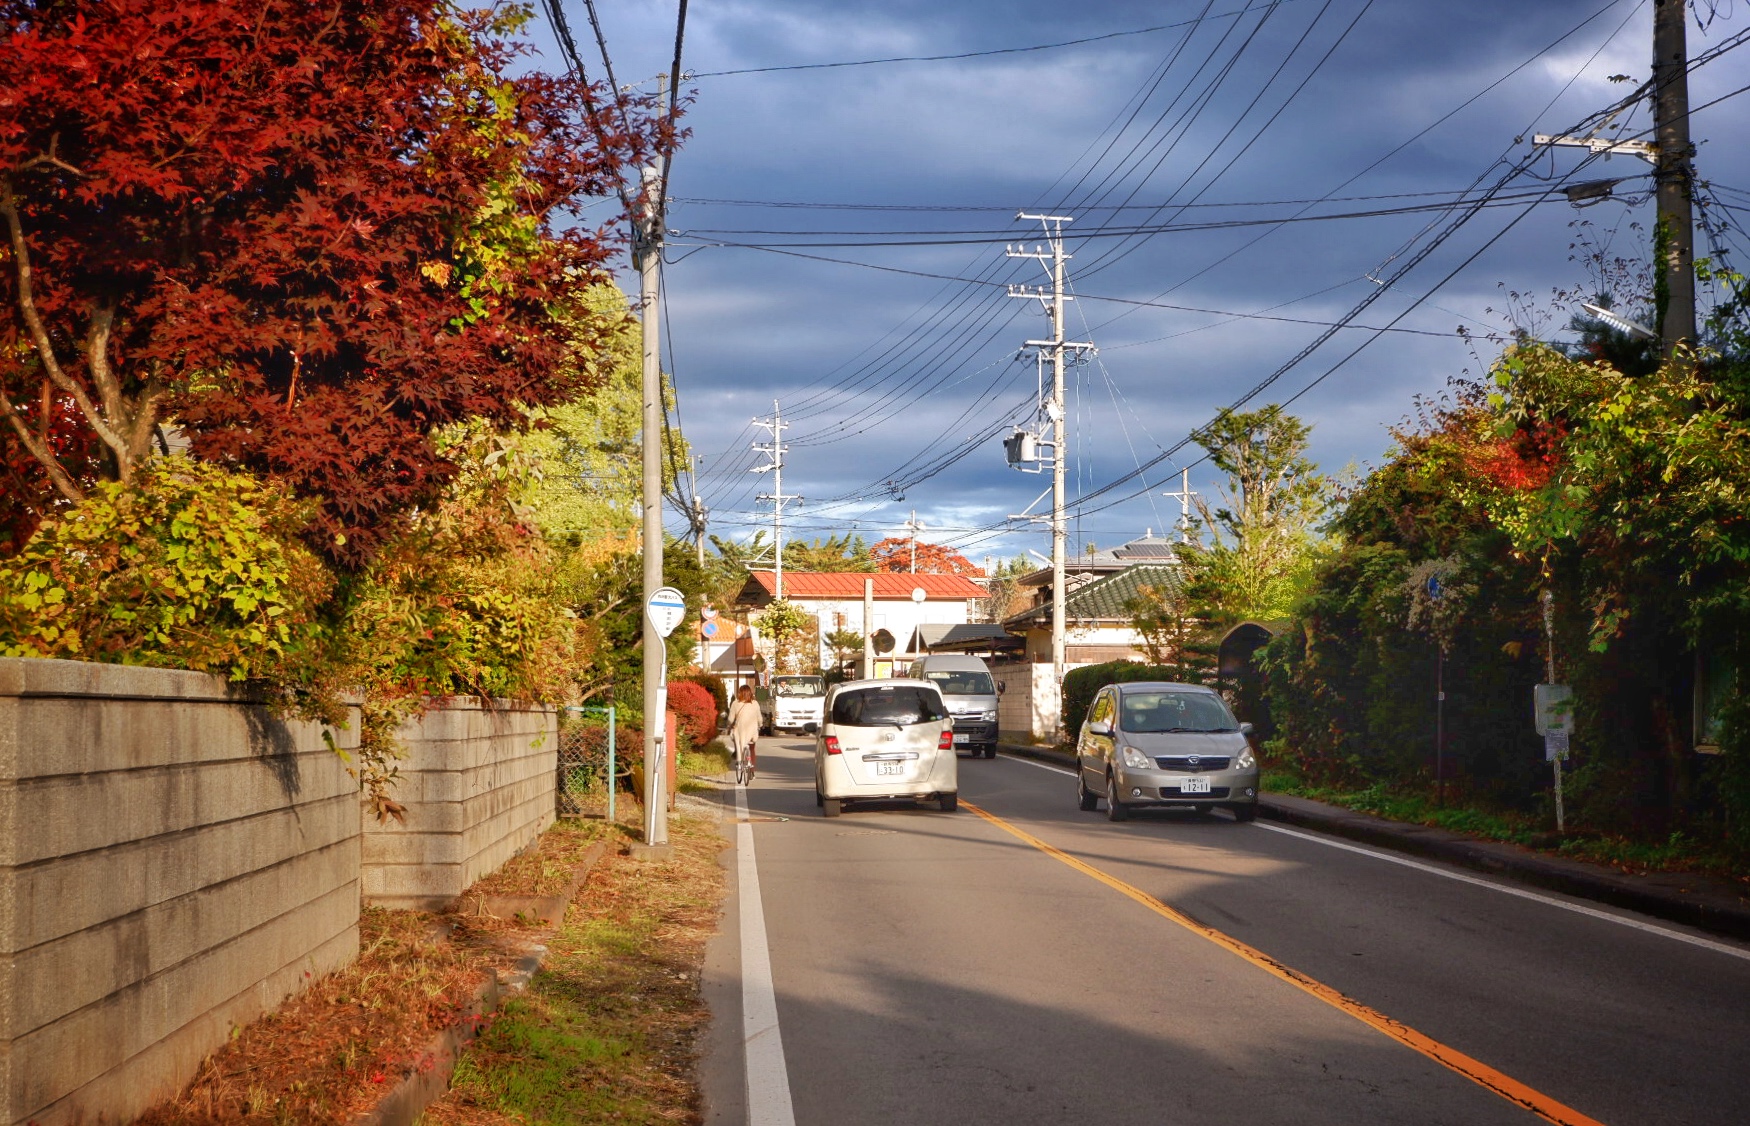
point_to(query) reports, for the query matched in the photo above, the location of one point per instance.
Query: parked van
(884, 739)
(792, 703)
(971, 695)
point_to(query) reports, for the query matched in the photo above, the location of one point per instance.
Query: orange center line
(1473, 1069)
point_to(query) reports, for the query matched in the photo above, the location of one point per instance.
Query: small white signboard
(666, 608)
(1554, 709)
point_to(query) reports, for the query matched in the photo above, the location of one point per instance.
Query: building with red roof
(901, 603)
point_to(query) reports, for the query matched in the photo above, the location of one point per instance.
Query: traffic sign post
(665, 608)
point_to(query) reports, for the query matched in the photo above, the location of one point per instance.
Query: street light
(1618, 322)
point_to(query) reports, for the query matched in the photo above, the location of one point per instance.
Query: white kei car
(884, 739)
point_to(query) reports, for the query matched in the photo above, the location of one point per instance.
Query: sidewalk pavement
(1709, 903)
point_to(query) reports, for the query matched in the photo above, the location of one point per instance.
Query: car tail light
(946, 742)
(832, 744)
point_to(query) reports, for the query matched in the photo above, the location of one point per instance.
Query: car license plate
(888, 768)
(961, 739)
(1193, 785)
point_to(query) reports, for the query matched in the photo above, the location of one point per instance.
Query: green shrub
(189, 567)
(1081, 685)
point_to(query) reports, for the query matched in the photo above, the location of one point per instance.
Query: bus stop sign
(666, 608)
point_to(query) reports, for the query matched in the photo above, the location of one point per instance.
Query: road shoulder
(1709, 903)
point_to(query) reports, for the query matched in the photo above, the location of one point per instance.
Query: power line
(971, 54)
(953, 237)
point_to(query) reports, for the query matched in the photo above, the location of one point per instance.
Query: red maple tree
(305, 233)
(894, 556)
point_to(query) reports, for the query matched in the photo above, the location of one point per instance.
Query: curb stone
(1709, 903)
(430, 1077)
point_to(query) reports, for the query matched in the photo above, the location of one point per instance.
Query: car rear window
(900, 704)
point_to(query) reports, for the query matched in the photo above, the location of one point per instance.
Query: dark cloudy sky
(900, 381)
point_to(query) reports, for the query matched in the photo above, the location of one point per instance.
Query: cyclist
(744, 730)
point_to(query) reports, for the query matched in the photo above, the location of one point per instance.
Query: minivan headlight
(1246, 760)
(1135, 759)
(988, 717)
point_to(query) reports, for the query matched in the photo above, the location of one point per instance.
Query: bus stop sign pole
(665, 608)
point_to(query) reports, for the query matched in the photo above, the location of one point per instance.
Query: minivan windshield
(799, 686)
(880, 707)
(1147, 713)
(963, 682)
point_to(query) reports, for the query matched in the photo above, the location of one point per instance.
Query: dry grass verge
(608, 1030)
(332, 1052)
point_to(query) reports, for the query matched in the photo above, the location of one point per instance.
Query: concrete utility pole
(647, 252)
(1183, 496)
(777, 496)
(1053, 300)
(697, 516)
(868, 669)
(1673, 170)
(1672, 156)
(914, 528)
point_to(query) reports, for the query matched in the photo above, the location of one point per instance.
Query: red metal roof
(849, 584)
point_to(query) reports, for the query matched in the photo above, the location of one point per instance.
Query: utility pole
(1183, 496)
(647, 253)
(699, 512)
(1053, 300)
(1672, 156)
(777, 496)
(914, 528)
(1673, 173)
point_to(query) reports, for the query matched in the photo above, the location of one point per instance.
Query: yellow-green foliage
(190, 567)
(463, 601)
(589, 451)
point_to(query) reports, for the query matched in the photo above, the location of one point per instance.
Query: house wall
(174, 862)
(478, 784)
(900, 617)
(1087, 644)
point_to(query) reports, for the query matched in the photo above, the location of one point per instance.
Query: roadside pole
(648, 249)
(868, 669)
(1053, 299)
(1673, 172)
(663, 611)
(1553, 705)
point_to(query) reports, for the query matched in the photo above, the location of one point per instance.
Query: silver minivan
(883, 739)
(1152, 743)
(971, 696)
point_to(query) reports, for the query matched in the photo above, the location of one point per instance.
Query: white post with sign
(1553, 708)
(665, 608)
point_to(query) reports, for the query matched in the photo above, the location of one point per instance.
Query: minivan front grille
(1192, 762)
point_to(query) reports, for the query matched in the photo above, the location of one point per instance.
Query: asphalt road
(936, 968)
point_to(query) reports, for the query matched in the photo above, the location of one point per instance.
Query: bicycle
(744, 764)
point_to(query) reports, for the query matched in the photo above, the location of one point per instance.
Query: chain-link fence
(590, 743)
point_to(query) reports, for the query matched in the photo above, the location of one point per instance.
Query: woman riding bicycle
(744, 730)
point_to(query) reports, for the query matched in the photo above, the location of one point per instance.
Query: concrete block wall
(174, 861)
(479, 786)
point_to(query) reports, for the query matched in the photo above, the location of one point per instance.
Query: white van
(792, 703)
(971, 695)
(884, 739)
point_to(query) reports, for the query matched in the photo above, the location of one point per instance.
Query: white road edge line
(1432, 869)
(1576, 908)
(1040, 765)
(768, 1080)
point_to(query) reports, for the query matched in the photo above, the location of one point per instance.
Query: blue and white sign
(666, 608)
